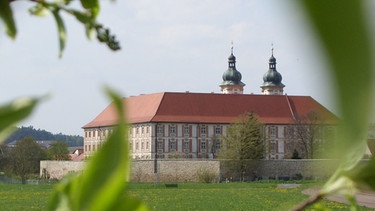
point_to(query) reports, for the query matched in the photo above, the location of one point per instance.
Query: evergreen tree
(243, 142)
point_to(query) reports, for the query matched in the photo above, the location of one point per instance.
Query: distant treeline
(38, 134)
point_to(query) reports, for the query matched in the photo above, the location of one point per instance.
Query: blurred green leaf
(364, 175)
(39, 10)
(14, 112)
(341, 27)
(81, 16)
(61, 30)
(102, 184)
(6, 14)
(92, 5)
(85, 19)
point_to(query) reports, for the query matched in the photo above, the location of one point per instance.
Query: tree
(214, 146)
(87, 16)
(295, 155)
(4, 157)
(243, 142)
(308, 133)
(58, 151)
(25, 158)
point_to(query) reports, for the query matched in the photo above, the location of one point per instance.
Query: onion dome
(272, 77)
(231, 75)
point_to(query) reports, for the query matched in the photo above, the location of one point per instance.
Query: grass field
(188, 196)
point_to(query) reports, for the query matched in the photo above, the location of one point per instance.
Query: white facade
(183, 140)
(272, 90)
(232, 89)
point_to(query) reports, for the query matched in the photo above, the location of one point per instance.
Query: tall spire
(232, 59)
(232, 83)
(272, 61)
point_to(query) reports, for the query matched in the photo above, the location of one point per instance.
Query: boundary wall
(181, 170)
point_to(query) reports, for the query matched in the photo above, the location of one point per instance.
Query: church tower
(272, 79)
(232, 83)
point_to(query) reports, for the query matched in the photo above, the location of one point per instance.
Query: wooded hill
(38, 134)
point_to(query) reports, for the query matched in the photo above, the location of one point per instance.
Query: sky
(167, 46)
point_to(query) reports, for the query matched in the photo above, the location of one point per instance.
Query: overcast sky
(167, 45)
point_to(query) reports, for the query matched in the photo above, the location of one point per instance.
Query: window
(160, 145)
(136, 130)
(186, 145)
(89, 133)
(203, 130)
(173, 129)
(143, 130)
(273, 131)
(173, 145)
(186, 130)
(272, 147)
(93, 148)
(160, 129)
(147, 130)
(142, 145)
(146, 145)
(203, 145)
(136, 146)
(217, 130)
(217, 144)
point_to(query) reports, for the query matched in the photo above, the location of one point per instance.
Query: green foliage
(87, 17)
(25, 158)
(13, 112)
(58, 151)
(243, 139)
(102, 185)
(6, 15)
(243, 142)
(346, 39)
(207, 176)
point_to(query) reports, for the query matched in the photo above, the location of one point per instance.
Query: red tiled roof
(212, 108)
(75, 157)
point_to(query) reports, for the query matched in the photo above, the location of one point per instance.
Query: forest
(38, 134)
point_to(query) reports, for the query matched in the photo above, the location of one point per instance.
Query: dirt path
(366, 199)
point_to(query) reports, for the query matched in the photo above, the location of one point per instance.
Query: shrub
(206, 176)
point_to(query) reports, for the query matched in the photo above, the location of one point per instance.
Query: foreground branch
(310, 201)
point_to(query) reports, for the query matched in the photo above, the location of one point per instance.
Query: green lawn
(188, 196)
(24, 197)
(224, 196)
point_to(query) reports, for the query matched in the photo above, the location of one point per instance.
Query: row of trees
(23, 160)
(38, 134)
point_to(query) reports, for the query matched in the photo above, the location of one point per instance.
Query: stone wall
(186, 170)
(58, 169)
(172, 170)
